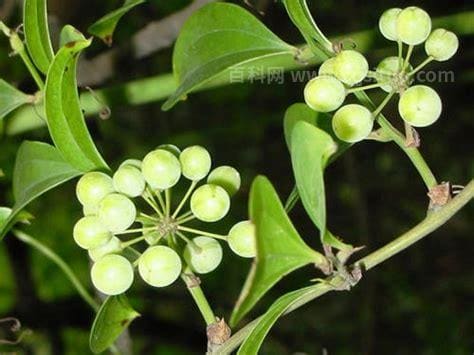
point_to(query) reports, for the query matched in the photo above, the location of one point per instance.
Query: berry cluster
(110, 211)
(418, 106)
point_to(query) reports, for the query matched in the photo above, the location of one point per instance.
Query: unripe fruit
(226, 177)
(129, 181)
(204, 255)
(93, 187)
(350, 67)
(90, 210)
(420, 106)
(111, 247)
(195, 162)
(324, 93)
(413, 25)
(352, 123)
(89, 232)
(170, 148)
(327, 68)
(161, 169)
(386, 69)
(159, 266)
(242, 239)
(112, 274)
(388, 23)
(132, 162)
(210, 203)
(117, 212)
(441, 44)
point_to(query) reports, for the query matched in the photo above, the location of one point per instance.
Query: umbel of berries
(122, 238)
(346, 72)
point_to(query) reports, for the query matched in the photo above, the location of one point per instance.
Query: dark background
(419, 302)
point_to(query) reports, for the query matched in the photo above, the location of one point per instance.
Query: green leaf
(69, 34)
(11, 98)
(301, 17)
(295, 113)
(65, 119)
(310, 152)
(220, 40)
(114, 316)
(38, 41)
(39, 167)
(254, 340)
(280, 249)
(104, 28)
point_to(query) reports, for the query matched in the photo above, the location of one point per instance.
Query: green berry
(210, 203)
(117, 212)
(89, 232)
(385, 71)
(203, 255)
(171, 148)
(352, 123)
(111, 247)
(324, 93)
(161, 169)
(90, 210)
(195, 162)
(93, 187)
(420, 106)
(388, 23)
(413, 25)
(350, 67)
(112, 274)
(242, 239)
(129, 181)
(132, 162)
(327, 68)
(441, 44)
(226, 177)
(159, 266)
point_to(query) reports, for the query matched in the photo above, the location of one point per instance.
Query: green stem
(160, 200)
(200, 232)
(185, 219)
(421, 66)
(428, 225)
(185, 198)
(383, 104)
(137, 230)
(133, 241)
(199, 298)
(32, 69)
(367, 87)
(146, 216)
(55, 258)
(151, 201)
(407, 58)
(168, 202)
(400, 55)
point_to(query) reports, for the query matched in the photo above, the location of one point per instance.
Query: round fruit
(385, 71)
(117, 212)
(129, 181)
(210, 203)
(161, 169)
(226, 177)
(159, 266)
(111, 247)
(352, 123)
(132, 162)
(350, 67)
(420, 106)
(388, 23)
(171, 148)
(413, 25)
(242, 239)
(441, 44)
(112, 274)
(89, 232)
(203, 255)
(90, 210)
(327, 68)
(324, 93)
(93, 187)
(195, 162)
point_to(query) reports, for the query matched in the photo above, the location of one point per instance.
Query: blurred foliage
(419, 302)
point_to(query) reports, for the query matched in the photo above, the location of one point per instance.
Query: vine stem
(432, 222)
(55, 258)
(192, 284)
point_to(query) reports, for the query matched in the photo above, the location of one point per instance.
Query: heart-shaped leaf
(65, 119)
(280, 249)
(114, 316)
(11, 98)
(38, 41)
(104, 27)
(39, 167)
(222, 41)
(254, 341)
